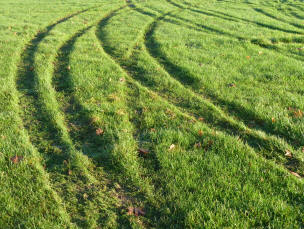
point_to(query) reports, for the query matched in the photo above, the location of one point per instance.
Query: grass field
(151, 114)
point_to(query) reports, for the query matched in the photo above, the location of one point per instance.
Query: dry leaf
(99, 131)
(171, 147)
(295, 174)
(201, 119)
(200, 133)
(69, 67)
(143, 151)
(136, 211)
(122, 79)
(288, 153)
(273, 120)
(298, 114)
(16, 159)
(153, 130)
(70, 172)
(303, 150)
(248, 57)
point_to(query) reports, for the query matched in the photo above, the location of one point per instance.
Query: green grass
(213, 90)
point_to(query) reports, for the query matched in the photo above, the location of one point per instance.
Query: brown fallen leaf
(16, 159)
(153, 130)
(200, 133)
(172, 147)
(143, 152)
(201, 119)
(69, 67)
(303, 149)
(248, 57)
(298, 114)
(122, 79)
(69, 172)
(288, 153)
(295, 174)
(136, 211)
(99, 131)
(273, 120)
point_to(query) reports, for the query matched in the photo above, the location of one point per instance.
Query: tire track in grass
(138, 85)
(83, 117)
(61, 158)
(173, 69)
(241, 112)
(180, 72)
(133, 87)
(196, 27)
(225, 16)
(268, 44)
(24, 80)
(84, 123)
(252, 137)
(267, 14)
(187, 78)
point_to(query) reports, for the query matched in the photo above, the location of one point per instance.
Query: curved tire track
(25, 83)
(57, 152)
(250, 135)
